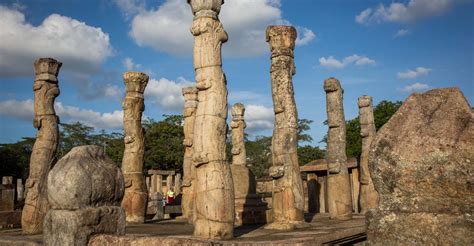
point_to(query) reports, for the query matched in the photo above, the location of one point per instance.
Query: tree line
(164, 149)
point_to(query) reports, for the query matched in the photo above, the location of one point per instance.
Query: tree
(309, 153)
(259, 155)
(303, 126)
(15, 158)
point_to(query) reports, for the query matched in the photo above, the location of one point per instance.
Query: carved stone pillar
(44, 150)
(339, 186)
(288, 194)
(135, 199)
(189, 172)
(368, 195)
(214, 193)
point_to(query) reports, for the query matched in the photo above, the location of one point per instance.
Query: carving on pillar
(44, 150)
(339, 187)
(288, 196)
(189, 172)
(368, 195)
(213, 189)
(135, 199)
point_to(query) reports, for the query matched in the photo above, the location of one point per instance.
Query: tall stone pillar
(368, 195)
(189, 172)
(288, 194)
(339, 186)
(214, 192)
(20, 190)
(135, 199)
(44, 150)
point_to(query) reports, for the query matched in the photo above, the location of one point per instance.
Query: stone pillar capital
(238, 111)
(206, 8)
(331, 85)
(135, 81)
(281, 39)
(47, 69)
(364, 101)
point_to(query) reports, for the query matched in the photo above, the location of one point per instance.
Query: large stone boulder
(84, 190)
(421, 163)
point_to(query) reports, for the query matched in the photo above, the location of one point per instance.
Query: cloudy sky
(386, 49)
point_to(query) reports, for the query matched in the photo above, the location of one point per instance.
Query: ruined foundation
(44, 150)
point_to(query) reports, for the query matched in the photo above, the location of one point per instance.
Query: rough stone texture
(44, 150)
(135, 199)
(214, 192)
(84, 190)
(421, 163)
(7, 194)
(338, 182)
(177, 184)
(249, 208)
(368, 198)
(189, 172)
(20, 190)
(288, 194)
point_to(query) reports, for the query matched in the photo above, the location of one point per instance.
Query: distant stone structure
(189, 171)
(135, 199)
(368, 195)
(20, 190)
(7, 194)
(44, 150)
(422, 164)
(338, 182)
(84, 190)
(214, 193)
(288, 195)
(249, 208)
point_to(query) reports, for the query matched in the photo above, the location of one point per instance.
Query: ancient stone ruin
(338, 183)
(368, 195)
(249, 209)
(189, 172)
(44, 150)
(84, 190)
(135, 199)
(421, 163)
(213, 188)
(288, 196)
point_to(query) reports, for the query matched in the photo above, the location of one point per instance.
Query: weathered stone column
(177, 184)
(288, 194)
(135, 199)
(339, 186)
(368, 195)
(7, 199)
(44, 150)
(189, 172)
(214, 192)
(20, 190)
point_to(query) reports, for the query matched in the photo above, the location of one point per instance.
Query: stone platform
(173, 232)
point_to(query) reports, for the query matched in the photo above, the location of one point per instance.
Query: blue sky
(386, 49)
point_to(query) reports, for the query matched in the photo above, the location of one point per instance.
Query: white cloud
(416, 87)
(357, 60)
(401, 13)
(258, 118)
(166, 93)
(80, 47)
(307, 36)
(130, 65)
(411, 74)
(401, 33)
(23, 110)
(166, 29)
(130, 7)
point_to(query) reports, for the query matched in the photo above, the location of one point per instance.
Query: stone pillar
(339, 186)
(313, 194)
(7, 199)
(20, 190)
(44, 150)
(189, 172)
(135, 199)
(86, 204)
(159, 184)
(177, 184)
(322, 181)
(153, 184)
(169, 183)
(368, 195)
(288, 193)
(214, 192)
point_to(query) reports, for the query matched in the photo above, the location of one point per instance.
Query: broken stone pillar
(214, 192)
(368, 195)
(177, 184)
(422, 165)
(20, 190)
(189, 172)
(159, 184)
(249, 208)
(44, 150)
(7, 199)
(339, 186)
(135, 199)
(84, 190)
(288, 193)
(169, 183)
